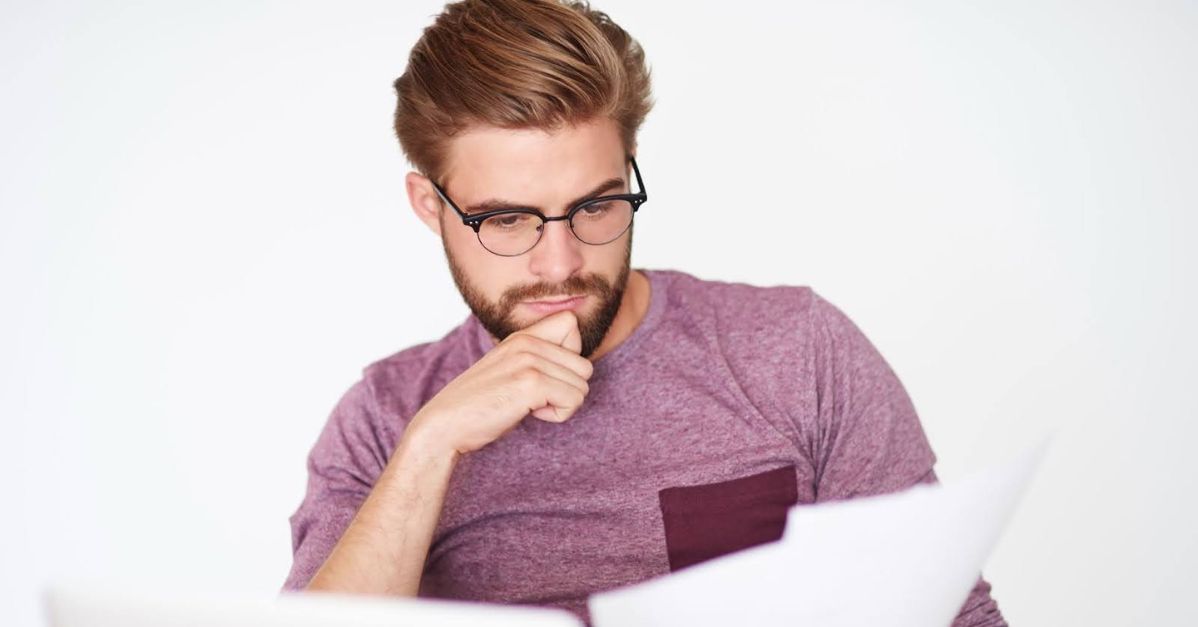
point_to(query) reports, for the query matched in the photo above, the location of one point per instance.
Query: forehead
(533, 165)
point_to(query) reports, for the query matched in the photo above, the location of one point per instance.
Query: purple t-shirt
(727, 404)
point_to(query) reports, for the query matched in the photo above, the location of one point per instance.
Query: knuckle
(523, 359)
(524, 341)
(520, 357)
(513, 342)
(528, 377)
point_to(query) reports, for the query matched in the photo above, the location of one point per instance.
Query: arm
(346, 461)
(869, 439)
(368, 519)
(385, 546)
(355, 533)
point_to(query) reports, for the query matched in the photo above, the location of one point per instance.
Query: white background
(204, 238)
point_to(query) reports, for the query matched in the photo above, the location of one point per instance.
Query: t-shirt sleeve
(343, 465)
(869, 439)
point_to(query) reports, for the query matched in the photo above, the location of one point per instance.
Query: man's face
(544, 170)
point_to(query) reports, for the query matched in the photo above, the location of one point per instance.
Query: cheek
(606, 260)
(489, 274)
(462, 238)
(467, 253)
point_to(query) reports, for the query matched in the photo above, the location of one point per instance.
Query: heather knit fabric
(727, 404)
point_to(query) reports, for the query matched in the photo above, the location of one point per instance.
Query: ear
(425, 200)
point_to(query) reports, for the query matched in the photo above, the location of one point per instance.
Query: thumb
(560, 328)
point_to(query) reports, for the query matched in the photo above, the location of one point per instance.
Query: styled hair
(517, 64)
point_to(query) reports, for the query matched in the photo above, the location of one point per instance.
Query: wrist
(423, 445)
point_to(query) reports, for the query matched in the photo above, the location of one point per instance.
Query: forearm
(385, 546)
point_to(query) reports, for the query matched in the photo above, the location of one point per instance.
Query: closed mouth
(555, 302)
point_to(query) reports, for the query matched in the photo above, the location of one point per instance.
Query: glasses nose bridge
(545, 220)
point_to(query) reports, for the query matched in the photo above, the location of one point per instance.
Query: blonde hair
(517, 64)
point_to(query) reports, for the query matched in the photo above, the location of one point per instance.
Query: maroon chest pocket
(706, 521)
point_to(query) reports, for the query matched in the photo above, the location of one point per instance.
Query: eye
(510, 220)
(596, 208)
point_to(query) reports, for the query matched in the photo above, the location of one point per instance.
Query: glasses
(513, 232)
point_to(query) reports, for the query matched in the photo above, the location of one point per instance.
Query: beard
(497, 319)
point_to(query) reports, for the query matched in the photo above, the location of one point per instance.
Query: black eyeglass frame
(476, 221)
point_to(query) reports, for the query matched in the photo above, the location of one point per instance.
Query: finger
(559, 372)
(559, 401)
(527, 343)
(573, 339)
(560, 328)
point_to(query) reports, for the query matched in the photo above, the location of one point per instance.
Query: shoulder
(765, 329)
(366, 423)
(399, 384)
(742, 307)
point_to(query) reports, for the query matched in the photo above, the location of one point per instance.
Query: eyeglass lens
(595, 223)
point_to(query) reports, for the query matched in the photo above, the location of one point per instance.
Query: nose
(557, 256)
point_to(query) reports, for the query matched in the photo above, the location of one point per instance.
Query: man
(588, 425)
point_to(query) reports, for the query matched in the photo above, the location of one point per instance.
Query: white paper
(907, 559)
(77, 605)
(901, 560)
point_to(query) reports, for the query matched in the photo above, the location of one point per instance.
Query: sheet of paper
(91, 605)
(904, 560)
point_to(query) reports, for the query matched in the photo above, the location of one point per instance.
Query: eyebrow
(498, 205)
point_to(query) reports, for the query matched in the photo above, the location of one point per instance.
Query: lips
(548, 307)
(554, 302)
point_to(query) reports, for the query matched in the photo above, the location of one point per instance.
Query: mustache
(575, 285)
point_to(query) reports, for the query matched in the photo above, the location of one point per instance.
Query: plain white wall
(204, 238)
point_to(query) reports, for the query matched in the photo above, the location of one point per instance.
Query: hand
(537, 369)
